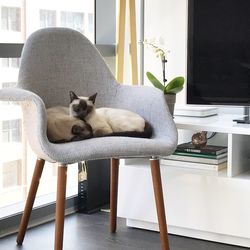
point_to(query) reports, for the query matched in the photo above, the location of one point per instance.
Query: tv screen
(218, 52)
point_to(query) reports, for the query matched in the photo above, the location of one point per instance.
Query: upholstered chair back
(56, 61)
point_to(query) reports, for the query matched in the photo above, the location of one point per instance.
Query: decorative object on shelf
(199, 139)
(208, 149)
(173, 87)
(206, 157)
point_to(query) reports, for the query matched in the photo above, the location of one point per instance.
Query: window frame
(9, 12)
(105, 43)
(105, 30)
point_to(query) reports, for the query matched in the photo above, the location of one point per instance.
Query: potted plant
(169, 89)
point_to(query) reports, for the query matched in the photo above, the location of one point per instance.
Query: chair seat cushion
(110, 147)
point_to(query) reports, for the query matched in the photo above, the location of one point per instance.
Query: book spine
(196, 159)
(193, 165)
(193, 150)
(197, 155)
(191, 154)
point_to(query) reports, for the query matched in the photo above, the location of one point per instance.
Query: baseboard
(39, 215)
(221, 238)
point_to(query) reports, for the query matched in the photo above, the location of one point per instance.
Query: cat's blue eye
(76, 108)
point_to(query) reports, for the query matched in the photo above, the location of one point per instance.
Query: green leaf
(174, 86)
(155, 81)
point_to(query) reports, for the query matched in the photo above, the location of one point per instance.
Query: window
(10, 62)
(73, 20)
(19, 19)
(11, 173)
(59, 13)
(9, 84)
(11, 18)
(11, 131)
(90, 23)
(47, 18)
(17, 160)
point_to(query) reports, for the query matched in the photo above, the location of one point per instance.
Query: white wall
(167, 19)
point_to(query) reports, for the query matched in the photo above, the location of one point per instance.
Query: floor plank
(91, 232)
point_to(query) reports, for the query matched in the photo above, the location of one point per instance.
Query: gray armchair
(57, 60)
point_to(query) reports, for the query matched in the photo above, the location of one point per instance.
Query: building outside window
(11, 131)
(11, 18)
(71, 14)
(47, 18)
(73, 20)
(91, 23)
(20, 18)
(11, 174)
(10, 62)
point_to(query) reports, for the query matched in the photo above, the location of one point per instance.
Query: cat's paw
(81, 132)
(76, 130)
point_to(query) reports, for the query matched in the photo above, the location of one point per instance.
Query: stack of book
(210, 157)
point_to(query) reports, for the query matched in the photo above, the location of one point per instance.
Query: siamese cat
(62, 127)
(108, 121)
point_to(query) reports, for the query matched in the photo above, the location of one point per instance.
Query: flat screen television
(218, 63)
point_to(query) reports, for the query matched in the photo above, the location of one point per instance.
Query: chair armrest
(34, 118)
(19, 95)
(150, 103)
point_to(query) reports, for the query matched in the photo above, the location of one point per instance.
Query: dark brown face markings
(89, 109)
(81, 132)
(82, 109)
(82, 105)
(76, 129)
(75, 107)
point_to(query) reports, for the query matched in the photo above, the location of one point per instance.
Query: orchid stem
(163, 70)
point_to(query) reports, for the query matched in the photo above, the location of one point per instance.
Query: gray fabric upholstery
(57, 60)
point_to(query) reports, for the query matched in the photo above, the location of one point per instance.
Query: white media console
(200, 204)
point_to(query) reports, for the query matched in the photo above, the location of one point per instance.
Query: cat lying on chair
(62, 127)
(108, 121)
(83, 121)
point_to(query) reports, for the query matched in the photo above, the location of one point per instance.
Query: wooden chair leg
(60, 206)
(114, 172)
(30, 200)
(159, 200)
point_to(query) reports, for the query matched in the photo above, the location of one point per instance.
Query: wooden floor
(91, 232)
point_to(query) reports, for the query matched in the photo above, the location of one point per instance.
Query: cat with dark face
(108, 121)
(81, 107)
(61, 127)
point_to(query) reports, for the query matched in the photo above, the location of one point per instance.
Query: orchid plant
(175, 85)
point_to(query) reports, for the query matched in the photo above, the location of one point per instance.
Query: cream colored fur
(60, 124)
(108, 120)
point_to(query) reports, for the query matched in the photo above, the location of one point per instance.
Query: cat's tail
(147, 133)
(148, 130)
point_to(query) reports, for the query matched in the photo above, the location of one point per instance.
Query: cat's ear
(92, 98)
(73, 96)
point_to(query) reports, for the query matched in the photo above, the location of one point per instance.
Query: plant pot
(170, 100)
